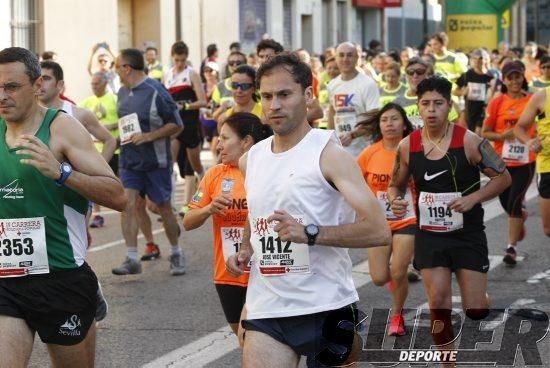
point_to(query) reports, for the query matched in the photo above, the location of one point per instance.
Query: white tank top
(67, 107)
(171, 79)
(293, 181)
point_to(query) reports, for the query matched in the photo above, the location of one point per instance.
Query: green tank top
(26, 193)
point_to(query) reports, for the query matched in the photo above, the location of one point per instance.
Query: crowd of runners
(394, 151)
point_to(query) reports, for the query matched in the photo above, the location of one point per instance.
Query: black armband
(489, 158)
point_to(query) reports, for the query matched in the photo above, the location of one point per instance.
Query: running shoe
(152, 251)
(177, 264)
(397, 325)
(524, 215)
(98, 221)
(510, 256)
(102, 306)
(128, 267)
(413, 274)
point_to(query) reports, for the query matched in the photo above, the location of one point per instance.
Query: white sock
(512, 246)
(133, 253)
(175, 249)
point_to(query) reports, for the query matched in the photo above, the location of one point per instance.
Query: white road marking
(535, 279)
(493, 325)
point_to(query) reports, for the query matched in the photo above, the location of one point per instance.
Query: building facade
(71, 28)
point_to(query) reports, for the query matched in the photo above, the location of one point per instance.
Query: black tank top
(466, 176)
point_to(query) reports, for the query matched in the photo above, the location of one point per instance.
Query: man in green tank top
(45, 285)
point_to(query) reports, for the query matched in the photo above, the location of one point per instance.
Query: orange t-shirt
(228, 227)
(376, 164)
(503, 113)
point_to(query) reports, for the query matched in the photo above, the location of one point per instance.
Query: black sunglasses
(235, 62)
(242, 86)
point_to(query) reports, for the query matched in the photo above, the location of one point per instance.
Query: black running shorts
(191, 135)
(232, 298)
(543, 183)
(460, 250)
(59, 306)
(512, 197)
(310, 334)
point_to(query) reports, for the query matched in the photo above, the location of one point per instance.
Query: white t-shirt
(349, 99)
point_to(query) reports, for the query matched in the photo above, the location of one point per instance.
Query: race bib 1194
(435, 214)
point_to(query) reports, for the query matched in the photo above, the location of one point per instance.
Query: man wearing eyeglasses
(49, 169)
(416, 71)
(352, 96)
(222, 96)
(148, 117)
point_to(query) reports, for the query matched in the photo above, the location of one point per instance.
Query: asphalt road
(158, 320)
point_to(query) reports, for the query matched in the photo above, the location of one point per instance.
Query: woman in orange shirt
(502, 115)
(221, 195)
(376, 163)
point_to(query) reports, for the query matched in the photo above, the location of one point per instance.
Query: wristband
(186, 106)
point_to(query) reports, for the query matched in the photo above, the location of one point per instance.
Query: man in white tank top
(307, 204)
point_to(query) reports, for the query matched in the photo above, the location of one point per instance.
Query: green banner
(474, 23)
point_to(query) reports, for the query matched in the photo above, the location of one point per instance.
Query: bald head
(346, 58)
(99, 83)
(346, 47)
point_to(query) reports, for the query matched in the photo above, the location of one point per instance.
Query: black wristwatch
(311, 231)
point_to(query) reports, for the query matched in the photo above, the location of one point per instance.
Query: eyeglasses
(242, 86)
(10, 88)
(208, 70)
(412, 72)
(235, 62)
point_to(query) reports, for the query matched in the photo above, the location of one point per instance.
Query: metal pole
(425, 19)
(403, 34)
